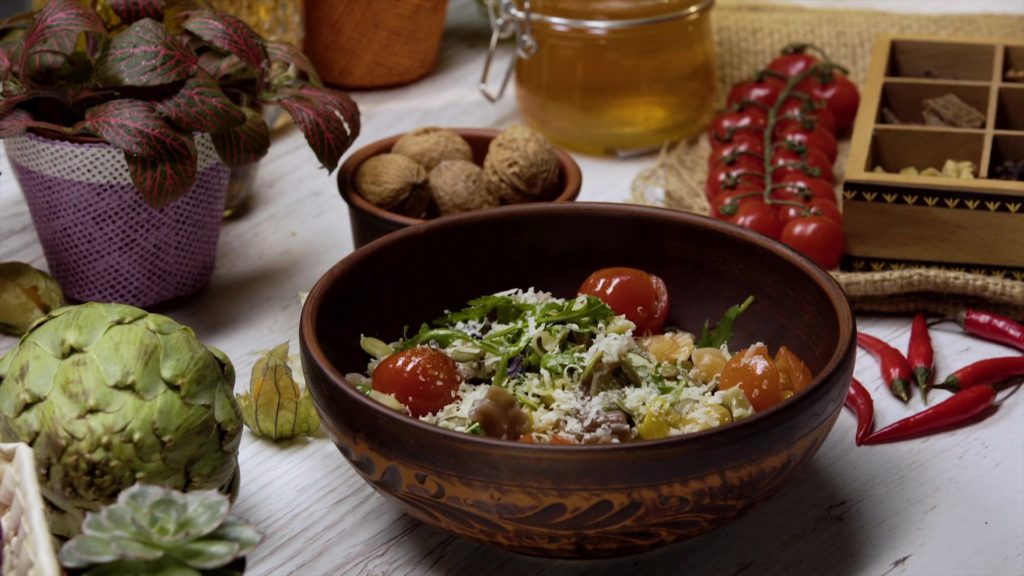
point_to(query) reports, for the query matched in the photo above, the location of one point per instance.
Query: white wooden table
(947, 504)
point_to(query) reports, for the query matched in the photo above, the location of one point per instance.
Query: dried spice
(950, 110)
(275, 407)
(1010, 170)
(26, 295)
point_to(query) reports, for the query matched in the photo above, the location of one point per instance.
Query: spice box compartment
(899, 209)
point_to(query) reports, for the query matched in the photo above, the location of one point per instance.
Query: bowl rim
(832, 290)
(347, 174)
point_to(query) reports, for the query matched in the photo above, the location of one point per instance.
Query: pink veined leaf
(11, 102)
(221, 66)
(329, 119)
(163, 179)
(284, 56)
(229, 34)
(135, 127)
(145, 54)
(134, 10)
(201, 106)
(55, 33)
(243, 144)
(5, 67)
(14, 123)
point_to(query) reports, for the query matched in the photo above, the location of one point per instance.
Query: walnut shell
(430, 145)
(458, 186)
(521, 166)
(386, 180)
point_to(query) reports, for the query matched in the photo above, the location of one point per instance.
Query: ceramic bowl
(576, 501)
(369, 222)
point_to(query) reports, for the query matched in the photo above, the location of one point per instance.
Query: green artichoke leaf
(140, 371)
(26, 295)
(186, 364)
(275, 407)
(31, 372)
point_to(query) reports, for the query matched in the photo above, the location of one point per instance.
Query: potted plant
(121, 123)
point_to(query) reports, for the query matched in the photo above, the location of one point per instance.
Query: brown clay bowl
(370, 222)
(576, 501)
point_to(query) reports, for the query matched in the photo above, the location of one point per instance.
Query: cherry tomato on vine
(760, 217)
(803, 187)
(792, 64)
(751, 120)
(817, 237)
(641, 297)
(816, 137)
(424, 379)
(839, 94)
(812, 162)
(797, 109)
(766, 91)
(725, 205)
(754, 371)
(814, 207)
(747, 143)
(745, 170)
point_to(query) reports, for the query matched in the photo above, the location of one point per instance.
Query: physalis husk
(275, 407)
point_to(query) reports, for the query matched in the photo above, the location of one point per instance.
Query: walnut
(430, 145)
(520, 166)
(387, 180)
(458, 186)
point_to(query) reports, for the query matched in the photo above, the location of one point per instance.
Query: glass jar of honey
(612, 77)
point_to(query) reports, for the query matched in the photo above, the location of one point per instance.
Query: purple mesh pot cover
(102, 241)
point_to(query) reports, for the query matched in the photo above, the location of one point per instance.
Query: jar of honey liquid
(614, 77)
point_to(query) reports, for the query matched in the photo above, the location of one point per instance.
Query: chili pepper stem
(901, 388)
(922, 376)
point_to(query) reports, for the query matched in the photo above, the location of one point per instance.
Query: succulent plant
(26, 295)
(146, 75)
(108, 395)
(154, 530)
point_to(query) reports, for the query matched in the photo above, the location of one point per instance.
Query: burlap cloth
(747, 37)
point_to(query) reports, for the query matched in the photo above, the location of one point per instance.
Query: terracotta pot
(372, 44)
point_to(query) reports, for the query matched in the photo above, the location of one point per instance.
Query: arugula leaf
(444, 337)
(504, 308)
(723, 329)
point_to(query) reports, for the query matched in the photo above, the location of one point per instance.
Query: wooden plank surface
(948, 504)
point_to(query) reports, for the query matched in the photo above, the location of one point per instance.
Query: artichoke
(26, 295)
(108, 395)
(153, 530)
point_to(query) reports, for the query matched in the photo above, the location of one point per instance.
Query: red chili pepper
(859, 400)
(895, 368)
(986, 372)
(920, 353)
(957, 409)
(992, 327)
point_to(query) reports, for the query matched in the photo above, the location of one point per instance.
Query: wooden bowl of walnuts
(432, 172)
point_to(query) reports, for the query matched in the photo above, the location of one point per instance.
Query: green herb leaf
(722, 332)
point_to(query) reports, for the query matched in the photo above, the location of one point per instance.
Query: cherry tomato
(794, 375)
(745, 170)
(754, 371)
(816, 137)
(817, 237)
(765, 91)
(814, 207)
(798, 109)
(424, 379)
(760, 217)
(840, 95)
(803, 187)
(812, 162)
(745, 143)
(792, 64)
(725, 205)
(751, 120)
(641, 297)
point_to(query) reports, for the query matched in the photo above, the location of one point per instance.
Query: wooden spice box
(895, 221)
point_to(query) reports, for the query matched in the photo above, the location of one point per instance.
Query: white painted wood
(948, 504)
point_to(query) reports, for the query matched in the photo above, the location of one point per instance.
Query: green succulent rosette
(109, 395)
(158, 531)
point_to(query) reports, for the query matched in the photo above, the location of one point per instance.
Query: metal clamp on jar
(613, 77)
